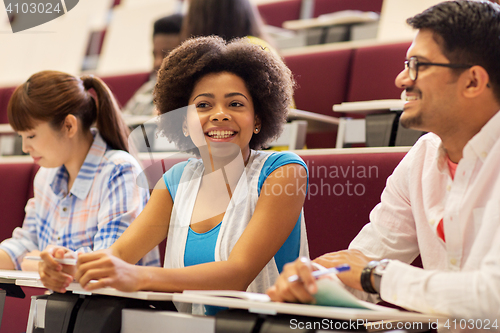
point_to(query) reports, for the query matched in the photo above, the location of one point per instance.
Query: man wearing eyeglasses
(443, 199)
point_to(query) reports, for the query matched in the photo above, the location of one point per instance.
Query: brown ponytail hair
(51, 96)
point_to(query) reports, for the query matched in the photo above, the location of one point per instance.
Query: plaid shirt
(103, 201)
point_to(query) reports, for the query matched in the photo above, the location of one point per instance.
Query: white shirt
(461, 277)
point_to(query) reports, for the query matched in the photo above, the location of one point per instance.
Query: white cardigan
(238, 214)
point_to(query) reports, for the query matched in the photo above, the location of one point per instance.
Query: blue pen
(317, 274)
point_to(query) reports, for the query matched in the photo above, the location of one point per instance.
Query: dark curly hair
(267, 78)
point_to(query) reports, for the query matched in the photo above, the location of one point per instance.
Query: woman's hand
(298, 291)
(102, 269)
(56, 276)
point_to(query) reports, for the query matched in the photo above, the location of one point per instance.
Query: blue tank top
(200, 247)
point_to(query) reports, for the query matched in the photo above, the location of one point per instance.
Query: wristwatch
(366, 277)
(378, 272)
(377, 269)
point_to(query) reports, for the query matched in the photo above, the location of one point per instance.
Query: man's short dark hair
(171, 24)
(268, 80)
(468, 32)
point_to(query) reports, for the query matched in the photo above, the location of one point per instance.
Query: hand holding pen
(297, 281)
(57, 267)
(64, 261)
(318, 273)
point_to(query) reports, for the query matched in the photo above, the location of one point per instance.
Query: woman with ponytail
(85, 191)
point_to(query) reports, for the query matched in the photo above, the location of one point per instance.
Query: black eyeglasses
(412, 64)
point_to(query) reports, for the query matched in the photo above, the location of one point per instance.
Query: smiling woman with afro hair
(267, 78)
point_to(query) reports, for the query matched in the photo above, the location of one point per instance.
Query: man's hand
(354, 258)
(304, 289)
(54, 275)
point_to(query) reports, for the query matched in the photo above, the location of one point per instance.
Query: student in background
(442, 201)
(233, 218)
(165, 38)
(85, 192)
(225, 18)
(228, 19)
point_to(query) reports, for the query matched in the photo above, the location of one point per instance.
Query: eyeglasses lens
(412, 68)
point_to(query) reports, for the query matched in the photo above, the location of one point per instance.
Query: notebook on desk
(258, 303)
(330, 293)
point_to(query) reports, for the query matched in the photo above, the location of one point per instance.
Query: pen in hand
(64, 261)
(317, 274)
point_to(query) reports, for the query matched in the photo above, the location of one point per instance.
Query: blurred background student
(228, 19)
(85, 192)
(166, 36)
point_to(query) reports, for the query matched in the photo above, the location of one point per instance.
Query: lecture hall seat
(275, 13)
(124, 86)
(343, 190)
(330, 6)
(5, 94)
(322, 80)
(16, 182)
(374, 70)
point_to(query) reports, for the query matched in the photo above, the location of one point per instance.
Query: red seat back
(16, 182)
(16, 311)
(276, 13)
(343, 189)
(5, 94)
(331, 6)
(125, 86)
(322, 80)
(374, 70)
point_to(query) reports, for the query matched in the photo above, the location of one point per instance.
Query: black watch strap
(366, 275)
